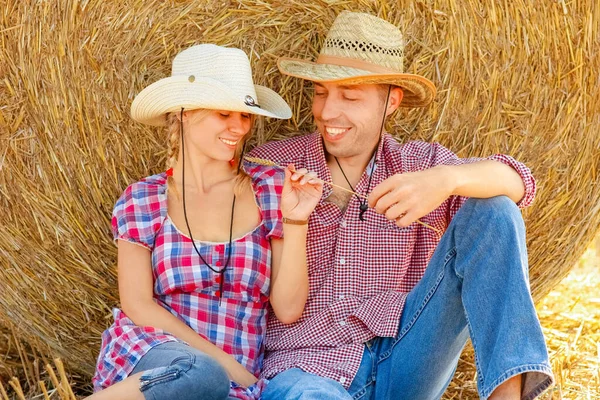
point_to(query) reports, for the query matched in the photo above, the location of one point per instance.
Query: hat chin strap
(355, 63)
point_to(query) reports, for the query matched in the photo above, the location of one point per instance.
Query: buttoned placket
(218, 253)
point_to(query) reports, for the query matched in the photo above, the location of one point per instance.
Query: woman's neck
(202, 174)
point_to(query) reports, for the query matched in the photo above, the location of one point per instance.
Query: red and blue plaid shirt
(359, 271)
(187, 288)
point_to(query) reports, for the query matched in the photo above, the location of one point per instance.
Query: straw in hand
(269, 163)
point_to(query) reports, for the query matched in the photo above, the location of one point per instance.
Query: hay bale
(514, 77)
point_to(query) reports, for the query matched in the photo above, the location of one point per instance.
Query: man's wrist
(453, 177)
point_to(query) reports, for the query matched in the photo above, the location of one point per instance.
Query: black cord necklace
(221, 271)
(363, 203)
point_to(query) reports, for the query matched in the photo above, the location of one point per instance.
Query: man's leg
(476, 285)
(295, 384)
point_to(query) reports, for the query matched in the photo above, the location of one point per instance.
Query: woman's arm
(136, 294)
(289, 274)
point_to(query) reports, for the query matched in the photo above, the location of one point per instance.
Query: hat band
(354, 63)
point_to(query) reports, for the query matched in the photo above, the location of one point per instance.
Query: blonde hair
(242, 180)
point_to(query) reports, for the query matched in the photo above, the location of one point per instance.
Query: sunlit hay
(513, 77)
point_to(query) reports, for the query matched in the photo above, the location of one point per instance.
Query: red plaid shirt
(359, 271)
(184, 286)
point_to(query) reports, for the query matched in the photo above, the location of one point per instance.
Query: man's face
(349, 117)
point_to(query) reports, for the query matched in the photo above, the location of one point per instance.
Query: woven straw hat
(212, 77)
(359, 49)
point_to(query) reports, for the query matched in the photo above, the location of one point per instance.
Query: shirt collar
(316, 161)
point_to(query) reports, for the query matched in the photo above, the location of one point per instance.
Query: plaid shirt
(187, 288)
(359, 271)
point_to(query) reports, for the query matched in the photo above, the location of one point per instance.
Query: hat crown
(229, 66)
(365, 38)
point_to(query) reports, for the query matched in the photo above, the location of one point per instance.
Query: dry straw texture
(514, 77)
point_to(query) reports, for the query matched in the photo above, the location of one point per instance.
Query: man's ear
(396, 96)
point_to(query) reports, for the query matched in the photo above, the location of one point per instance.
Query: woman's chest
(182, 266)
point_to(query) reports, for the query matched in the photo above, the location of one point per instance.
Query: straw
(270, 163)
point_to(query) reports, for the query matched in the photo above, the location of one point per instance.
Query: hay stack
(514, 77)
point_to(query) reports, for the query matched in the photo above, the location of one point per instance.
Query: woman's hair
(242, 180)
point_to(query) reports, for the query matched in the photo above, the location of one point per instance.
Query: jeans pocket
(158, 375)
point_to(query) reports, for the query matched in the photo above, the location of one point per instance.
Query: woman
(200, 248)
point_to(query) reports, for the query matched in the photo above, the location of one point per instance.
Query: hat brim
(418, 91)
(171, 94)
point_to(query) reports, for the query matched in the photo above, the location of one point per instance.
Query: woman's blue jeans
(175, 370)
(476, 285)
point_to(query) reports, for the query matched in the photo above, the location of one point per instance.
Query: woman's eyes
(225, 115)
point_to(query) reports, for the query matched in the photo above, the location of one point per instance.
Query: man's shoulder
(411, 149)
(410, 156)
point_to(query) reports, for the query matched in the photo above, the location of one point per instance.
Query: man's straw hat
(212, 77)
(359, 49)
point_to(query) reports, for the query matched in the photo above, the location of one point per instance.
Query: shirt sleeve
(139, 213)
(268, 186)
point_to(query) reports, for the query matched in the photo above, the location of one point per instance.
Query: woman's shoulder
(149, 186)
(141, 209)
(259, 172)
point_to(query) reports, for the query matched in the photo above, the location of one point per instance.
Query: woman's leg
(171, 370)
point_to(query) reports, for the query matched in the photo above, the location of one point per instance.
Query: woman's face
(216, 133)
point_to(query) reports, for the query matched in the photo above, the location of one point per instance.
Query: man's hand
(404, 198)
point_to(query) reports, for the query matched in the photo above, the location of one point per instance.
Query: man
(387, 317)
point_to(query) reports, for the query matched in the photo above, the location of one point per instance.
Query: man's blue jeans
(476, 285)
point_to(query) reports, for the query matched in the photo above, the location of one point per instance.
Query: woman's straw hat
(359, 49)
(212, 77)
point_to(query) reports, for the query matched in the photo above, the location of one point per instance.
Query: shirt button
(343, 380)
(342, 323)
(343, 223)
(341, 297)
(342, 261)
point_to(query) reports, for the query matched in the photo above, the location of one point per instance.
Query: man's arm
(409, 196)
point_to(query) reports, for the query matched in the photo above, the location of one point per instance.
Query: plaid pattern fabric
(359, 271)
(187, 288)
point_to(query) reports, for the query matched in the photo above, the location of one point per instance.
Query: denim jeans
(476, 285)
(175, 370)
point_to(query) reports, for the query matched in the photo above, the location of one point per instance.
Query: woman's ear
(179, 115)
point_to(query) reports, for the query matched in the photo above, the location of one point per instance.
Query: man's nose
(331, 108)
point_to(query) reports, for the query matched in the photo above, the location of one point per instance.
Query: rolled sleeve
(526, 176)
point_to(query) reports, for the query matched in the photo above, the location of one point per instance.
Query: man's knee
(497, 216)
(499, 205)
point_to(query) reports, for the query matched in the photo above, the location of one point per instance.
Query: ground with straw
(513, 77)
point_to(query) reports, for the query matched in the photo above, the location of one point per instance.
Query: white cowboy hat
(212, 77)
(360, 48)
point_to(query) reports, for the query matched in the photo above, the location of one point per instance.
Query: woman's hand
(239, 374)
(301, 193)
